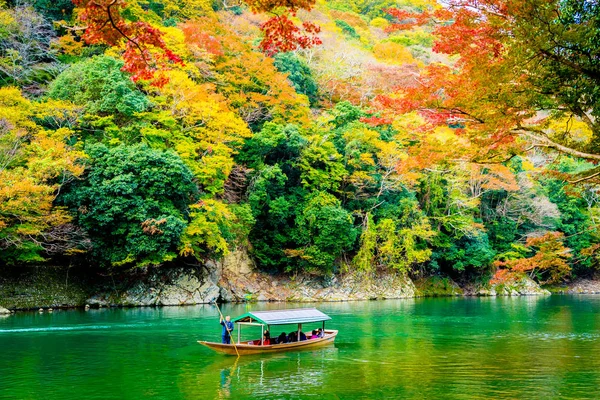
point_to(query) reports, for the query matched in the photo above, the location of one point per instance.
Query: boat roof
(283, 317)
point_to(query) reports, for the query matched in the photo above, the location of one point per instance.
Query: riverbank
(235, 279)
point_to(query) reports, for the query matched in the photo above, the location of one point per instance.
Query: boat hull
(248, 349)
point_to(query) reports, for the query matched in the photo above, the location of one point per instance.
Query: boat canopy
(284, 317)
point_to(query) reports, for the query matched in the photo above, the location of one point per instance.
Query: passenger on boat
(315, 334)
(302, 336)
(282, 338)
(292, 337)
(320, 333)
(227, 329)
(267, 339)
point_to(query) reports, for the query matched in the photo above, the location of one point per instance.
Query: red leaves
(282, 35)
(145, 50)
(376, 121)
(461, 30)
(406, 20)
(270, 5)
(195, 36)
(549, 261)
(470, 37)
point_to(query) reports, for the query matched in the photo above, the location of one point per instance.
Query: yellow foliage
(204, 230)
(187, 9)
(6, 22)
(35, 163)
(393, 53)
(527, 165)
(210, 131)
(574, 128)
(175, 40)
(58, 113)
(444, 134)
(68, 45)
(379, 22)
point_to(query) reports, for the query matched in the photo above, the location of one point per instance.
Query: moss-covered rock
(437, 286)
(522, 287)
(35, 287)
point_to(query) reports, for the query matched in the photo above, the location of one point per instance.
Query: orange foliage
(467, 94)
(549, 262)
(247, 78)
(282, 35)
(145, 50)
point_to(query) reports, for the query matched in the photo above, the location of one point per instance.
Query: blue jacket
(225, 327)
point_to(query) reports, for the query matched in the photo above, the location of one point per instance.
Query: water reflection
(422, 348)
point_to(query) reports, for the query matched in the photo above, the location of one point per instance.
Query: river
(452, 348)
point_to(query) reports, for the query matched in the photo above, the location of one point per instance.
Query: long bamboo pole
(228, 330)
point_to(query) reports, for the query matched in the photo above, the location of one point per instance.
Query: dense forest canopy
(456, 138)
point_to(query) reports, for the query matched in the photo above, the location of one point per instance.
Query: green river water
(472, 348)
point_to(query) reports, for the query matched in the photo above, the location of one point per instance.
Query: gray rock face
(257, 286)
(173, 287)
(235, 279)
(584, 286)
(4, 311)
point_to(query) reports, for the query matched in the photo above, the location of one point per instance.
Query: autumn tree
(35, 164)
(547, 265)
(146, 54)
(247, 78)
(520, 66)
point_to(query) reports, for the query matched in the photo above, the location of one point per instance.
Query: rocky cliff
(234, 279)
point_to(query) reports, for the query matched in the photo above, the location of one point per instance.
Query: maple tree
(147, 55)
(145, 49)
(549, 261)
(247, 78)
(515, 60)
(281, 34)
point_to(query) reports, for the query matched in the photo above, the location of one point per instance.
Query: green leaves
(324, 231)
(399, 241)
(213, 226)
(133, 203)
(101, 87)
(299, 75)
(321, 165)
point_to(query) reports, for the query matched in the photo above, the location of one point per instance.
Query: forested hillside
(322, 137)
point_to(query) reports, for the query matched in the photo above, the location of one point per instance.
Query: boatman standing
(227, 329)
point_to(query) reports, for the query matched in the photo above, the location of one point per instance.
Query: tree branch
(540, 136)
(114, 25)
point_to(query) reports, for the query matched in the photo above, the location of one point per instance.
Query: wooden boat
(266, 319)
